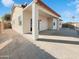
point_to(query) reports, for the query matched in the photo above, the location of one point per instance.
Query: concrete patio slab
(20, 48)
(48, 47)
(60, 46)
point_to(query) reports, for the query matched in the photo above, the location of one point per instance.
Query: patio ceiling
(43, 5)
(44, 9)
(41, 13)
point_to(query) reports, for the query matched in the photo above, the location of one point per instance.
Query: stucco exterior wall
(43, 23)
(50, 23)
(27, 16)
(59, 24)
(15, 21)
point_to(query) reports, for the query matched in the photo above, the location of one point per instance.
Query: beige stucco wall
(59, 24)
(50, 23)
(43, 23)
(51, 20)
(27, 15)
(15, 22)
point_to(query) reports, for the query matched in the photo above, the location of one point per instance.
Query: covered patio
(42, 24)
(41, 18)
(17, 47)
(67, 36)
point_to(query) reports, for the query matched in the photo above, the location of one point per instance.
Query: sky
(68, 9)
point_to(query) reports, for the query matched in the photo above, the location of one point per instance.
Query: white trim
(44, 10)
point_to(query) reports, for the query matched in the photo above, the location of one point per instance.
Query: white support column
(35, 14)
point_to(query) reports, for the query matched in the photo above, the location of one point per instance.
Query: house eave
(43, 5)
(39, 2)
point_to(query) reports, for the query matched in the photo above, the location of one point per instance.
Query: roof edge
(46, 7)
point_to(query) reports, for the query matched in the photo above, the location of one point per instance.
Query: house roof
(39, 2)
(46, 7)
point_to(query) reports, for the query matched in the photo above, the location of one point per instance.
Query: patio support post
(35, 14)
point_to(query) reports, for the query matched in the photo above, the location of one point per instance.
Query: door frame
(31, 25)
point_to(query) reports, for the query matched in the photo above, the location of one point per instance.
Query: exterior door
(31, 25)
(54, 24)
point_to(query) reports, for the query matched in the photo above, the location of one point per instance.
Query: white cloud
(7, 3)
(77, 10)
(76, 3)
(67, 14)
(77, 6)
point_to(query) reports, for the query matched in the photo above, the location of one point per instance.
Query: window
(19, 20)
(54, 23)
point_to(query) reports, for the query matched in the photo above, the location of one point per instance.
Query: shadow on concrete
(62, 32)
(59, 41)
(21, 48)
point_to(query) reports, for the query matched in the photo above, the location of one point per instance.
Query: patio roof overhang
(44, 8)
(43, 5)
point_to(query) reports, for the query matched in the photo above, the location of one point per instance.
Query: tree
(7, 17)
(7, 21)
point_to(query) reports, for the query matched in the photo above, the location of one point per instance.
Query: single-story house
(75, 24)
(34, 17)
